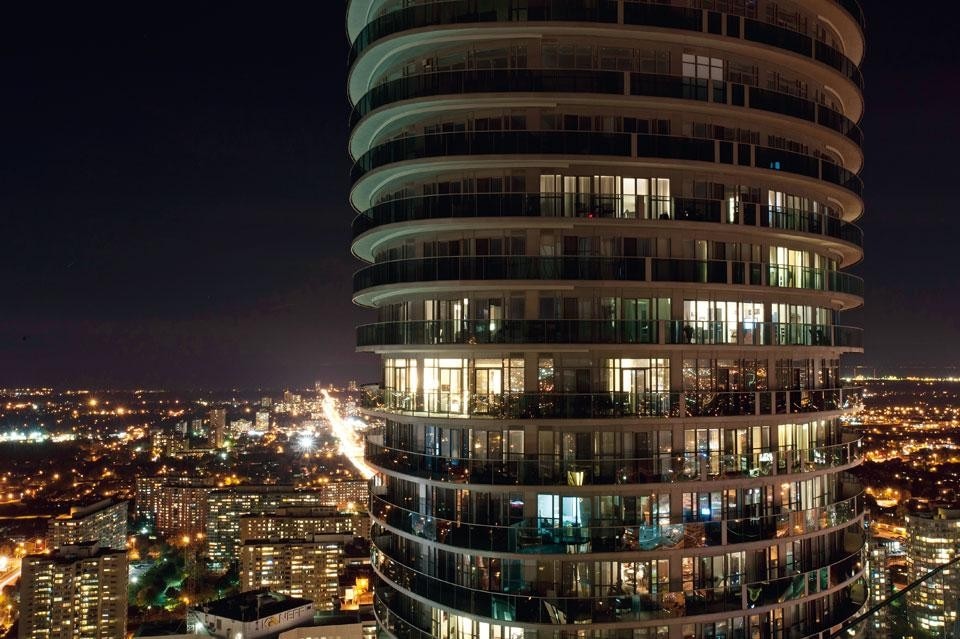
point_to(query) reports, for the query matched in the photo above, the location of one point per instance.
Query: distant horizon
(847, 370)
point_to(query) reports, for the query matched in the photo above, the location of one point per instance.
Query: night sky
(173, 194)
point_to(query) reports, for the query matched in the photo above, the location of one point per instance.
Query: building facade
(218, 427)
(300, 523)
(336, 628)
(307, 567)
(606, 241)
(933, 539)
(225, 506)
(104, 522)
(78, 592)
(147, 496)
(347, 493)
(182, 505)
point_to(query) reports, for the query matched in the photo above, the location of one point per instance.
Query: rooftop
(933, 509)
(78, 512)
(73, 552)
(252, 605)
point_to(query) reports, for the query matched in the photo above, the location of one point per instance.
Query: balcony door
(488, 388)
(636, 382)
(451, 392)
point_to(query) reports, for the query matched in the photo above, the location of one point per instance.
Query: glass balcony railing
(492, 143)
(924, 609)
(559, 331)
(539, 536)
(636, 13)
(590, 206)
(786, 104)
(390, 612)
(449, 12)
(612, 404)
(489, 81)
(789, 219)
(622, 269)
(622, 145)
(548, 470)
(599, 82)
(546, 603)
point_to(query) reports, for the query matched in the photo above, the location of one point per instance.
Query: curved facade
(606, 243)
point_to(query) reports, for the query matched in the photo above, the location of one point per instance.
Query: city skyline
(178, 211)
(141, 450)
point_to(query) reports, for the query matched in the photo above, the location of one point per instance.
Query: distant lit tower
(218, 426)
(605, 243)
(933, 539)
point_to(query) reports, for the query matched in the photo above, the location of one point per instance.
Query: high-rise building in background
(262, 421)
(886, 570)
(225, 507)
(606, 244)
(349, 493)
(933, 539)
(78, 592)
(218, 427)
(104, 522)
(147, 496)
(168, 443)
(181, 504)
(306, 567)
(240, 427)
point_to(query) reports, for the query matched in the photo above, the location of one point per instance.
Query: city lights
(351, 442)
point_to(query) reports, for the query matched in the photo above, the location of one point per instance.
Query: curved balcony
(642, 210)
(487, 81)
(539, 603)
(548, 470)
(540, 536)
(612, 404)
(394, 625)
(466, 12)
(620, 269)
(520, 81)
(619, 145)
(476, 332)
(853, 8)
(451, 12)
